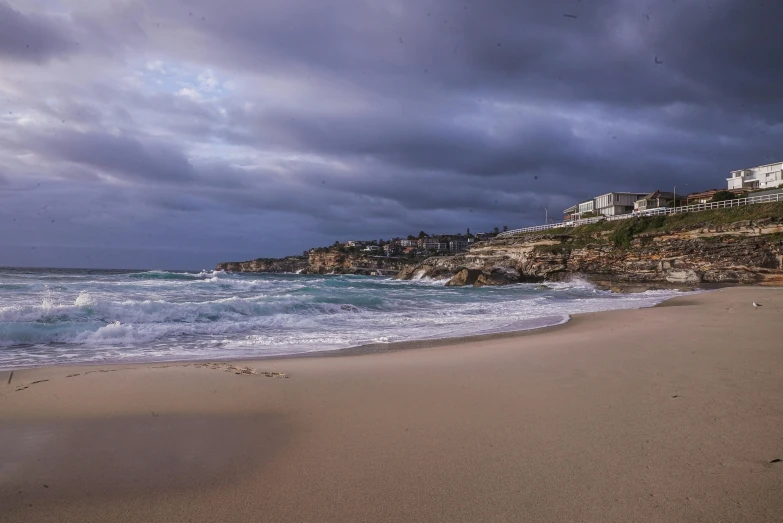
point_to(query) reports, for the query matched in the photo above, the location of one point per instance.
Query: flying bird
(756, 305)
(569, 15)
(658, 60)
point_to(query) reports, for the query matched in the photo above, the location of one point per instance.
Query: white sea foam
(47, 318)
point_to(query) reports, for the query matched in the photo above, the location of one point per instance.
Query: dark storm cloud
(431, 142)
(32, 37)
(620, 58)
(125, 157)
(303, 122)
(615, 52)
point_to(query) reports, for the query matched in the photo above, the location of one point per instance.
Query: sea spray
(52, 317)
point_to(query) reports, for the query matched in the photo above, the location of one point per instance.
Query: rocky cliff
(680, 251)
(292, 264)
(320, 262)
(336, 262)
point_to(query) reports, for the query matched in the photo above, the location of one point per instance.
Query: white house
(568, 214)
(763, 177)
(371, 248)
(585, 207)
(614, 203)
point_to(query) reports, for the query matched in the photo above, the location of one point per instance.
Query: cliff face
(292, 264)
(729, 246)
(741, 252)
(335, 262)
(320, 262)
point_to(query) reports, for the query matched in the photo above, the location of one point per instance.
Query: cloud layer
(181, 133)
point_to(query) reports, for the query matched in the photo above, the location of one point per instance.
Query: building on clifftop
(763, 177)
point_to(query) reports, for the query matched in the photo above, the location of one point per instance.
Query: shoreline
(374, 349)
(663, 414)
(365, 349)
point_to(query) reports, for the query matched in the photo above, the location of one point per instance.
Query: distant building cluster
(768, 176)
(423, 245)
(763, 178)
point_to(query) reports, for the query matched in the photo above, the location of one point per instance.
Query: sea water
(57, 316)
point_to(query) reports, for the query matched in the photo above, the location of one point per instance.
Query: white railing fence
(750, 200)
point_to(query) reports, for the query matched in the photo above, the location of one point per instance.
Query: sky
(181, 133)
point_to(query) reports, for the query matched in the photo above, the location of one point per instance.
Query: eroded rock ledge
(741, 252)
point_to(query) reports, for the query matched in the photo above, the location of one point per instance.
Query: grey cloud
(430, 141)
(126, 157)
(607, 54)
(32, 37)
(374, 119)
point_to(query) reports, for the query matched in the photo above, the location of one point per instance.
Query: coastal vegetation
(740, 245)
(681, 249)
(620, 233)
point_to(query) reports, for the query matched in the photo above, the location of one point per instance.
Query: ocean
(59, 316)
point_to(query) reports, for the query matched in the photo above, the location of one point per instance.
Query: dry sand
(666, 414)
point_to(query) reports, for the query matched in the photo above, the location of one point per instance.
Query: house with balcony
(575, 212)
(570, 213)
(763, 177)
(427, 243)
(433, 243)
(458, 245)
(653, 201)
(615, 203)
(609, 204)
(584, 208)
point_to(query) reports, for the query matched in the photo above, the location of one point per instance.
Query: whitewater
(56, 316)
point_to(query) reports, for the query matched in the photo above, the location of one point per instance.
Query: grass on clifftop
(622, 232)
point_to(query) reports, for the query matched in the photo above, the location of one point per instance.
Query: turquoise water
(90, 316)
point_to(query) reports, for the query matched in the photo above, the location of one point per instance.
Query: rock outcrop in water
(638, 253)
(292, 264)
(336, 262)
(321, 262)
(728, 246)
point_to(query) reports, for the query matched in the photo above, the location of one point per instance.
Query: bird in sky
(756, 305)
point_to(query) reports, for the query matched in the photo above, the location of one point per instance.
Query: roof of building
(620, 192)
(659, 194)
(756, 167)
(711, 192)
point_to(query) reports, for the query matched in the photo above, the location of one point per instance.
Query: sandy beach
(667, 414)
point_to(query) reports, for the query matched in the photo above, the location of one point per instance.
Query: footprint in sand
(228, 367)
(25, 387)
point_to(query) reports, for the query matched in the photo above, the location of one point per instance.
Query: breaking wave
(157, 315)
(167, 275)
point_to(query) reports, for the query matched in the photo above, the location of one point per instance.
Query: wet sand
(668, 414)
